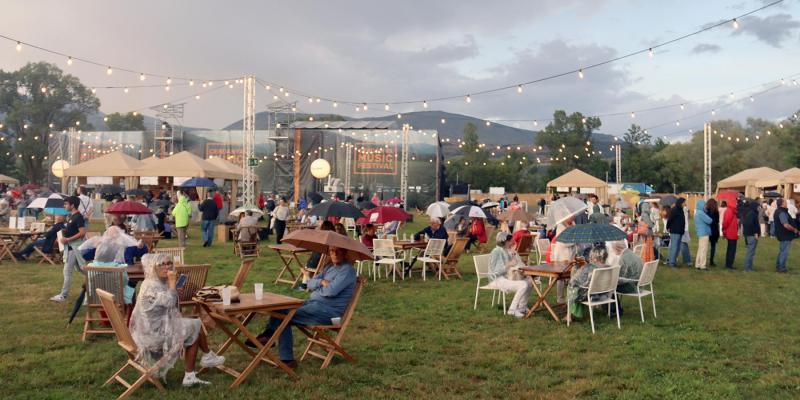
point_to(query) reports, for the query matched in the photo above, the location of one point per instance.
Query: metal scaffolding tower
(249, 162)
(280, 116)
(166, 128)
(404, 166)
(707, 160)
(618, 151)
(348, 167)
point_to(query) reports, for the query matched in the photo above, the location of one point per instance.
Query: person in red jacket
(479, 230)
(218, 200)
(730, 229)
(261, 202)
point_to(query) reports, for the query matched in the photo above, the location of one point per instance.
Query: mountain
(453, 128)
(96, 120)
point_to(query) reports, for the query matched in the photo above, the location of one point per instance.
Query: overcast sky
(412, 50)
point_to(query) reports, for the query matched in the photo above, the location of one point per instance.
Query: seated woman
(104, 256)
(503, 259)
(576, 290)
(462, 227)
(369, 236)
(158, 329)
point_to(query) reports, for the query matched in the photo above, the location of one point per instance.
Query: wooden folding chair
(148, 238)
(248, 245)
(524, 247)
(450, 264)
(244, 270)
(125, 340)
(196, 279)
(175, 252)
(109, 279)
(50, 257)
(329, 337)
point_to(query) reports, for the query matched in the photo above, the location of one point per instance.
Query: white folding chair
(638, 249)
(482, 272)
(645, 279)
(602, 282)
(386, 255)
(542, 246)
(349, 226)
(432, 255)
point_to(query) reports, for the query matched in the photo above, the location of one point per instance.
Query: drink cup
(226, 296)
(259, 291)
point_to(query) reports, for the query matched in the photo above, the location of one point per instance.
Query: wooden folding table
(288, 256)
(233, 320)
(556, 271)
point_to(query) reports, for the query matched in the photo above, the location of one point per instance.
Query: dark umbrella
(128, 207)
(591, 233)
(77, 306)
(109, 189)
(773, 195)
(458, 204)
(315, 198)
(198, 182)
(365, 205)
(136, 192)
(668, 200)
(336, 209)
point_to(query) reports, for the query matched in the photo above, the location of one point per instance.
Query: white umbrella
(240, 210)
(562, 209)
(439, 209)
(41, 202)
(490, 204)
(470, 211)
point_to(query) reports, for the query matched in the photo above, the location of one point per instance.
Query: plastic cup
(226, 296)
(259, 291)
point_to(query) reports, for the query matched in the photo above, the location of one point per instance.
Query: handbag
(214, 293)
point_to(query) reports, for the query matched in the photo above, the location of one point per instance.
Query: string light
(69, 60)
(735, 24)
(424, 104)
(468, 99)
(19, 46)
(580, 73)
(109, 71)
(519, 89)
(650, 52)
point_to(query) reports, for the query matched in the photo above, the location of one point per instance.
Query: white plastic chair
(645, 279)
(386, 255)
(638, 249)
(432, 255)
(482, 272)
(349, 226)
(542, 246)
(603, 281)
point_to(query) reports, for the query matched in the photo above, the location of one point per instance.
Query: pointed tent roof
(791, 175)
(748, 177)
(8, 179)
(183, 164)
(227, 166)
(112, 164)
(577, 178)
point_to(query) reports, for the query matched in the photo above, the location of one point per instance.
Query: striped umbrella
(591, 233)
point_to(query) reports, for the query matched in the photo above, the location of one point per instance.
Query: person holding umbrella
(331, 292)
(72, 236)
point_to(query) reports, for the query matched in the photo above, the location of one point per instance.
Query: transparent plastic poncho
(113, 237)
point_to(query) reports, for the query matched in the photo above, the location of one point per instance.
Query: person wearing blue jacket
(702, 226)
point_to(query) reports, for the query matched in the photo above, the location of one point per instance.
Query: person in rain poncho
(158, 329)
(504, 259)
(579, 279)
(106, 253)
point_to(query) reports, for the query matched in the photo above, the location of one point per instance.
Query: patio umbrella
(128, 207)
(136, 192)
(490, 204)
(591, 233)
(53, 200)
(668, 200)
(365, 205)
(319, 241)
(198, 182)
(243, 209)
(55, 211)
(394, 200)
(336, 209)
(773, 195)
(562, 209)
(28, 186)
(439, 209)
(469, 211)
(382, 215)
(458, 204)
(109, 189)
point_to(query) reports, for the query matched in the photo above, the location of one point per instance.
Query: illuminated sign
(375, 159)
(232, 154)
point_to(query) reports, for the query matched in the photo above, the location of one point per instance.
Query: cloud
(772, 30)
(706, 48)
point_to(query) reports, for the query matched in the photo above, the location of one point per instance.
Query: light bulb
(519, 88)
(535, 123)
(735, 24)
(109, 71)
(633, 115)
(365, 107)
(443, 121)
(19, 46)
(580, 73)
(399, 116)
(468, 99)
(267, 87)
(650, 52)
(310, 100)
(44, 89)
(69, 60)
(191, 82)
(105, 119)
(682, 107)
(125, 90)
(335, 104)
(386, 107)
(166, 88)
(488, 123)
(94, 90)
(424, 104)
(197, 97)
(752, 99)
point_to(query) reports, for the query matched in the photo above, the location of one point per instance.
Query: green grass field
(725, 335)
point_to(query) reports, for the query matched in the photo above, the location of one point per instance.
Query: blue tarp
(639, 187)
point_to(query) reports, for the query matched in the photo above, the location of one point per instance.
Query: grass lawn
(725, 335)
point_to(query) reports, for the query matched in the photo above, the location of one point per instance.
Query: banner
(178, 180)
(99, 180)
(148, 180)
(375, 159)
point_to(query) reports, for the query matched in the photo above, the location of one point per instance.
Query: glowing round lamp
(58, 167)
(320, 168)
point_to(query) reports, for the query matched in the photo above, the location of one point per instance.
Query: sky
(415, 50)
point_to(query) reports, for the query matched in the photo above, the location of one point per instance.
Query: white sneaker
(59, 298)
(211, 360)
(191, 380)
(516, 313)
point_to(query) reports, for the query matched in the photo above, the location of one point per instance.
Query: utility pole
(706, 160)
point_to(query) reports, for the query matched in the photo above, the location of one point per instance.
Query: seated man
(46, 243)
(331, 292)
(248, 221)
(433, 231)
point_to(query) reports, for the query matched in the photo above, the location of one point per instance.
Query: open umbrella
(591, 233)
(319, 241)
(136, 192)
(109, 189)
(365, 205)
(490, 204)
(469, 211)
(458, 204)
(128, 207)
(382, 215)
(56, 211)
(198, 182)
(773, 195)
(668, 200)
(77, 306)
(564, 208)
(243, 209)
(315, 198)
(439, 209)
(53, 200)
(336, 209)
